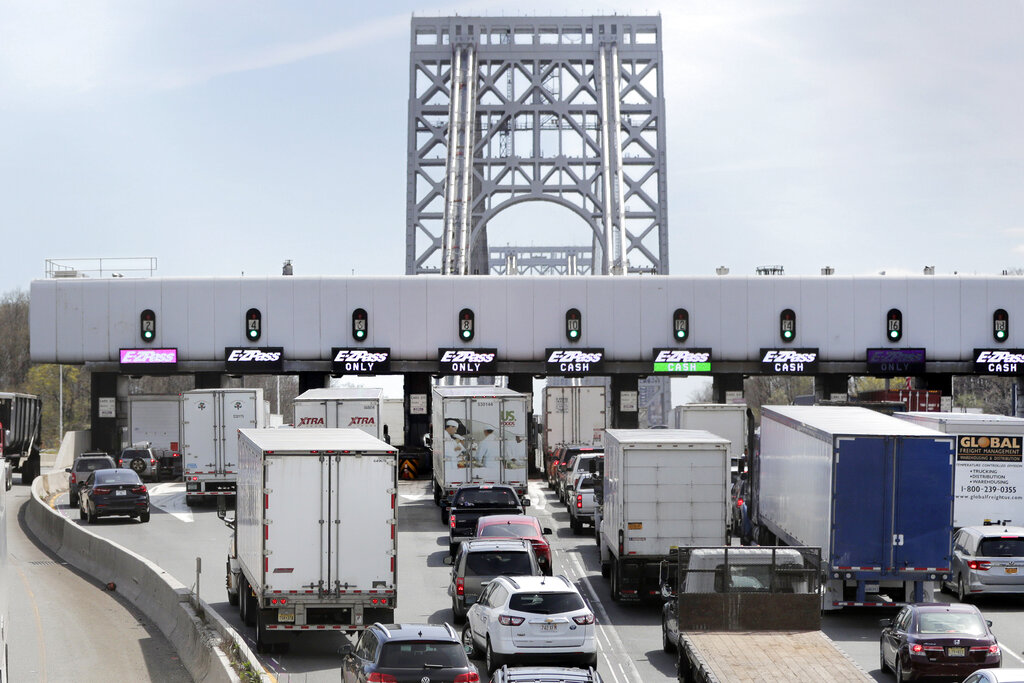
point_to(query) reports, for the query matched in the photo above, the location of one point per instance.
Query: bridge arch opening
(545, 236)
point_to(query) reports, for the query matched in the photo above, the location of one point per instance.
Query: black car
(407, 653)
(937, 639)
(80, 469)
(113, 492)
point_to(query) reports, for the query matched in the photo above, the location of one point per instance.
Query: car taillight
(381, 678)
(139, 489)
(916, 647)
(74, 479)
(460, 586)
(451, 521)
(102, 490)
(120, 463)
(541, 549)
(471, 677)
(175, 455)
(152, 461)
(980, 565)
(584, 620)
(992, 649)
(739, 502)
(509, 620)
(579, 500)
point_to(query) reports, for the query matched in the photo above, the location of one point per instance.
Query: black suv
(408, 652)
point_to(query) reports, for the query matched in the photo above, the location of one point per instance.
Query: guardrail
(195, 630)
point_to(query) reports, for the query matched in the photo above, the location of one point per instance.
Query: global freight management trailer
(664, 489)
(210, 420)
(873, 492)
(728, 420)
(989, 471)
(478, 436)
(340, 407)
(315, 545)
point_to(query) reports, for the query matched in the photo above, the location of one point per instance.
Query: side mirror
(346, 650)
(526, 502)
(68, 470)
(546, 531)
(427, 441)
(885, 623)
(448, 560)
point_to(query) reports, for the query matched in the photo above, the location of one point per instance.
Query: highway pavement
(65, 626)
(629, 636)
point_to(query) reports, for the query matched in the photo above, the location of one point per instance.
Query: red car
(938, 639)
(518, 526)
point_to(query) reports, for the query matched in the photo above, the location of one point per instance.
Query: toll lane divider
(195, 630)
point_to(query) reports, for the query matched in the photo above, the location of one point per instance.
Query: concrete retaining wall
(161, 597)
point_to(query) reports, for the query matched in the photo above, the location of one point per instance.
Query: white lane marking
(604, 625)
(170, 497)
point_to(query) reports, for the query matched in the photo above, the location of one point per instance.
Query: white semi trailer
(315, 544)
(341, 407)
(210, 420)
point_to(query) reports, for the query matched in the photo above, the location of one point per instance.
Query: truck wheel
(437, 494)
(191, 500)
(261, 632)
(606, 569)
(29, 471)
(615, 581)
(233, 599)
(444, 515)
(575, 526)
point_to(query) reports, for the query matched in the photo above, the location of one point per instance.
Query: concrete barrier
(197, 632)
(71, 446)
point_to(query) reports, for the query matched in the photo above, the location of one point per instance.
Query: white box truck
(314, 545)
(663, 489)
(478, 437)
(728, 420)
(340, 407)
(156, 420)
(573, 416)
(989, 472)
(210, 420)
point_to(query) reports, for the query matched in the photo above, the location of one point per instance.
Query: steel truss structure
(504, 110)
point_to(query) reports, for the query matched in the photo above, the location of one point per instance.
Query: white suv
(531, 619)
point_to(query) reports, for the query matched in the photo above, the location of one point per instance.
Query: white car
(531, 619)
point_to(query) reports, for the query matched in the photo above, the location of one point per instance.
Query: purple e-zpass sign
(148, 359)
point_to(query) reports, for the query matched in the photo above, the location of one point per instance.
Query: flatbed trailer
(756, 656)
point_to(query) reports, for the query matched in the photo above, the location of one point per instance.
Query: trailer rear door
(923, 506)
(295, 533)
(362, 538)
(862, 505)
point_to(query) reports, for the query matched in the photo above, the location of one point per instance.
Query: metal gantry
(504, 110)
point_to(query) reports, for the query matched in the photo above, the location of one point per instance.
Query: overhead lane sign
(682, 361)
(895, 362)
(266, 360)
(999, 361)
(148, 360)
(789, 361)
(574, 362)
(468, 361)
(360, 361)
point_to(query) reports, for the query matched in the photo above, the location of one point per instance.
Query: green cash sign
(682, 361)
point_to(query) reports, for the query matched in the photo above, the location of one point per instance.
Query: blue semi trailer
(873, 492)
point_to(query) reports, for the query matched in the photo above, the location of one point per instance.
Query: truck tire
(191, 500)
(574, 524)
(30, 470)
(261, 632)
(243, 592)
(233, 598)
(444, 516)
(615, 581)
(437, 494)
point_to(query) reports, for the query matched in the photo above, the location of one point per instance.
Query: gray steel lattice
(529, 103)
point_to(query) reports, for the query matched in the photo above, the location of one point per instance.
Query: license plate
(956, 651)
(120, 492)
(549, 627)
(1011, 570)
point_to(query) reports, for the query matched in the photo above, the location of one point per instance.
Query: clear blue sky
(223, 137)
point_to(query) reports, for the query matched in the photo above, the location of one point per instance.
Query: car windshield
(91, 464)
(509, 530)
(117, 477)
(485, 498)
(951, 622)
(546, 603)
(496, 563)
(419, 654)
(1001, 546)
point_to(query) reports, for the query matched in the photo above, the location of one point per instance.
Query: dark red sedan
(518, 526)
(936, 639)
